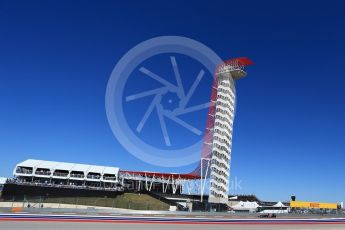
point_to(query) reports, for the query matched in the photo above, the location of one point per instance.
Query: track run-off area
(166, 220)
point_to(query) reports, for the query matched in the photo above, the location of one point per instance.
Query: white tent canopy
(279, 204)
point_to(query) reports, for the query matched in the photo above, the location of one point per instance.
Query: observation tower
(216, 151)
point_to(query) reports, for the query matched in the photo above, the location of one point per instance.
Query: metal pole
(201, 180)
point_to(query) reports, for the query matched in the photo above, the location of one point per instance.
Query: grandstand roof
(55, 165)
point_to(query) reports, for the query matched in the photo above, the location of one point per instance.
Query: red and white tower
(216, 152)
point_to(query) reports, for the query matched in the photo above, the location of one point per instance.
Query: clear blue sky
(289, 136)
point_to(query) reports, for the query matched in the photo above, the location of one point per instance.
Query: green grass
(127, 201)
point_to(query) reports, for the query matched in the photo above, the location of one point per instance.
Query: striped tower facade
(218, 143)
(222, 138)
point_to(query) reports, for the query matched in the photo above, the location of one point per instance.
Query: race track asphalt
(19, 225)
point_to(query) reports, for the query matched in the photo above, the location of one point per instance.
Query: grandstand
(52, 181)
(39, 177)
(49, 179)
(62, 174)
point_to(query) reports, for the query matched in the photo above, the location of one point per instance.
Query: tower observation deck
(216, 152)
